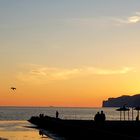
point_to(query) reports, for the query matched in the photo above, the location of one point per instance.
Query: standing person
(103, 117)
(57, 114)
(137, 118)
(97, 117)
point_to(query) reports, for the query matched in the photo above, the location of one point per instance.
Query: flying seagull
(13, 88)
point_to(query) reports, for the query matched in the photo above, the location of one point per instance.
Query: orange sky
(82, 90)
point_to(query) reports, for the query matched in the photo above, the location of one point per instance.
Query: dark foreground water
(14, 124)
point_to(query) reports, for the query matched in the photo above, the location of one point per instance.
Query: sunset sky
(72, 53)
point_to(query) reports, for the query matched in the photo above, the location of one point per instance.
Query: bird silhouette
(13, 88)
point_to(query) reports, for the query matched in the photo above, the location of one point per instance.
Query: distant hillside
(130, 101)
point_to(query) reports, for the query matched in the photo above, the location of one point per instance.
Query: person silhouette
(97, 117)
(40, 133)
(57, 114)
(137, 118)
(103, 117)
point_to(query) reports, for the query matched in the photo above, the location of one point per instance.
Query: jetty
(88, 129)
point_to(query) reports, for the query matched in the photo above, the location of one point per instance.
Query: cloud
(134, 19)
(110, 71)
(39, 74)
(104, 21)
(128, 20)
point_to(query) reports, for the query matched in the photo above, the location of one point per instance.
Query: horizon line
(52, 106)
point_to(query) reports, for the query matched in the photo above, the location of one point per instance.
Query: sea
(14, 124)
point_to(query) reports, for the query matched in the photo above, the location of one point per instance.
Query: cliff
(130, 101)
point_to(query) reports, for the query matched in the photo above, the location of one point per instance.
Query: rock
(129, 101)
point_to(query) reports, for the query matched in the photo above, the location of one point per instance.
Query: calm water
(24, 113)
(13, 119)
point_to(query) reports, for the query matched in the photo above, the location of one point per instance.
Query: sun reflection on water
(18, 130)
